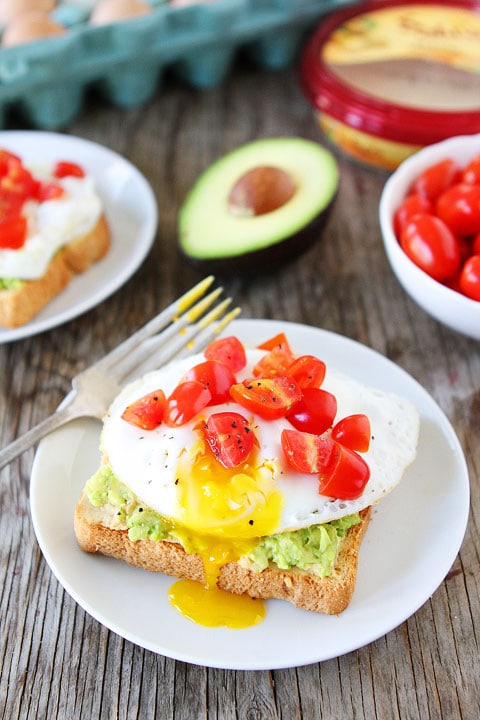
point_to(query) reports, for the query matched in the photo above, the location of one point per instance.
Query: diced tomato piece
(275, 362)
(354, 432)
(305, 452)
(147, 411)
(50, 191)
(229, 437)
(315, 411)
(186, 401)
(229, 351)
(5, 157)
(270, 398)
(276, 342)
(307, 371)
(347, 475)
(13, 231)
(216, 377)
(64, 168)
(18, 180)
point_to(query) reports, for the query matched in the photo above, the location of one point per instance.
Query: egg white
(52, 224)
(146, 461)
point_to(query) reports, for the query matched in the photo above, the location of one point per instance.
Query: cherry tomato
(470, 278)
(459, 208)
(229, 437)
(271, 398)
(13, 231)
(412, 205)
(307, 371)
(276, 342)
(275, 362)
(18, 181)
(437, 178)
(64, 169)
(471, 173)
(229, 351)
(186, 401)
(216, 377)
(305, 452)
(430, 244)
(147, 411)
(354, 432)
(315, 412)
(346, 476)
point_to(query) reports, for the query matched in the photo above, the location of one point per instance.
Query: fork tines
(184, 327)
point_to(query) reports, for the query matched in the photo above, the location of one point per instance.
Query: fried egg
(172, 471)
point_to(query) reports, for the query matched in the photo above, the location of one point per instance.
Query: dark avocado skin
(271, 258)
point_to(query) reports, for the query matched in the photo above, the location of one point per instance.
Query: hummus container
(388, 77)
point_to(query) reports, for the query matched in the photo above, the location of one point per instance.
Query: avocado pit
(261, 190)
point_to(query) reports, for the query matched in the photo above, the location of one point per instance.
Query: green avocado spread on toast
(314, 548)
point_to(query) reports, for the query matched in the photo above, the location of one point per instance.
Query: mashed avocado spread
(314, 549)
(9, 283)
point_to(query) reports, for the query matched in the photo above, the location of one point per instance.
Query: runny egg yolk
(225, 511)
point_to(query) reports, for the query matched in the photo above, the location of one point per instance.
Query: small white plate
(410, 545)
(131, 211)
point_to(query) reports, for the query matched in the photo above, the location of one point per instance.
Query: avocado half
(260, 205)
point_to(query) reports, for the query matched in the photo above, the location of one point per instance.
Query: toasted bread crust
(19, 305)
(329, 595)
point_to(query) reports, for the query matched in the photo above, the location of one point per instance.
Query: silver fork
(184, 327)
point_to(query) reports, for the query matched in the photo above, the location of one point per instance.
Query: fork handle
(63, 415)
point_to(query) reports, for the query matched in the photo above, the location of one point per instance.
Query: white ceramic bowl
(445, 305)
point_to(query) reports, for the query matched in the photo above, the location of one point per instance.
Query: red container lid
(404, 70)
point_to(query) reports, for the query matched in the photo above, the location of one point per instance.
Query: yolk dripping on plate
(226, 510)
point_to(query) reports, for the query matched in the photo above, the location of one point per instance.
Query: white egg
(150, 462)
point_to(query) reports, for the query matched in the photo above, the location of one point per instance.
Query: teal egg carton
(46, 81)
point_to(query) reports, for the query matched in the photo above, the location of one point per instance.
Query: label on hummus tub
(423, 56)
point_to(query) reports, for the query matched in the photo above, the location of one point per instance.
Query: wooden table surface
(58, 662)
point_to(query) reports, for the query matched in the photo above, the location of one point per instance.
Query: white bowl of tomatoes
(430, 222)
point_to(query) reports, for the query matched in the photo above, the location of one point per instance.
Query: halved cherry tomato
(459, 208)
(216, 377)
(307, 371)
(305, 452)
(353, 431)
(346, 476)
(64, 169)
(412, 205)
(229, 437)
(229, 351)
(13, 231)
(430, 244)
(186, 401)
(314, 412)
(471, 173)
(275, 362)
(470, 278)
(147, 411)
(278, 341)
(437, 178)
(270, 398)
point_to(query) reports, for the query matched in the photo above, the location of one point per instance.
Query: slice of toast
(330, 595)
(18, 305)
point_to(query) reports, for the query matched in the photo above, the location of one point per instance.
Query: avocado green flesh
(314, 549)
(208, 229)
(10, 283)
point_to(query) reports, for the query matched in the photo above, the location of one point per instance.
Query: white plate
(410, 545)
(131, 211)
